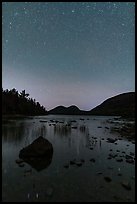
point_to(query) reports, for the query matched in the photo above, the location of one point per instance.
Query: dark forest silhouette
(14, 102)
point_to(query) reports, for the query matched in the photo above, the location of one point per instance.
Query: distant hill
(120, 105)
(71, 110)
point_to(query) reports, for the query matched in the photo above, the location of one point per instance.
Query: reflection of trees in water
(62, 130)
(16, 132)
(13, 132)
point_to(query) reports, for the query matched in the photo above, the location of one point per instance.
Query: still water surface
(59, 181)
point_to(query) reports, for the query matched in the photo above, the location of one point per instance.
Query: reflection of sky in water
(68, 144)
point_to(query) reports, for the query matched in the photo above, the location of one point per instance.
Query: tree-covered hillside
(14, 102)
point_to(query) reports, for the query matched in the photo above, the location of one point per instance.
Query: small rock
(99, 173)
(111, 140)
(128, 156)
(72, 162)
(126, 185)
(108, 179)
(91, 148)
(119, 160)
(79, 164)
(66, 166)
(131, 161)
(92, 160)
(107, 127)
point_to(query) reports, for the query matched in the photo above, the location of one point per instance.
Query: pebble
(108, 179)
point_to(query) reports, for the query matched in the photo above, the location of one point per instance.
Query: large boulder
(38, 154)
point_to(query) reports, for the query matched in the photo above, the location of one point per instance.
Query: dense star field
(66, 53)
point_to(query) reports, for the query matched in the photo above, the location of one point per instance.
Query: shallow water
(56, 183)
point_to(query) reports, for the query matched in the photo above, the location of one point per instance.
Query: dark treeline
(14, 102)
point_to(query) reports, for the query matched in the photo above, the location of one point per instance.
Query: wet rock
(74, 127)
(79, 163)
(72, 162)
(106, 127)
(128, 156)
(99, 173)
(112, 155)
(119, 159)
(92, 160)
(73, 121)
(111, 140)
(38, 154)
(66, 166)
(108, 179)
(126, 185)
(131, 161)
(39, 147)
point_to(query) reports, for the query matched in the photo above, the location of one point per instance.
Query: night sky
(65, 53)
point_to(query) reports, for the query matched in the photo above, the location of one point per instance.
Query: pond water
(84, 181)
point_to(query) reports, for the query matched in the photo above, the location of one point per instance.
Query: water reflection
(40, 163)
(62, 130)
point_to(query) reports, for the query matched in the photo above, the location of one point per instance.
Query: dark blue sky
(65, 53)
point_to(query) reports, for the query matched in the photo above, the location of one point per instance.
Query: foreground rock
(38, 154)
